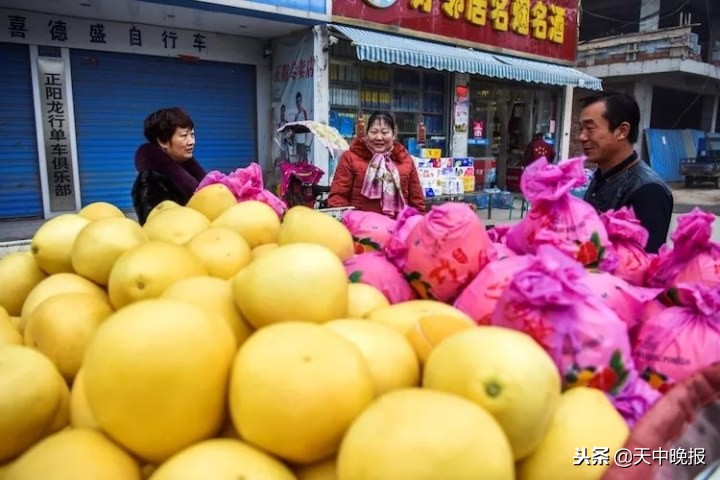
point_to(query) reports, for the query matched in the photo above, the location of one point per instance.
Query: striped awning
(380, 47)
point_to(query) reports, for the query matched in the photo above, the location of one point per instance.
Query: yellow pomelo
(176, 225)
(55, 285)
(322, 470)
(212, 200)
(212, 294)
(32, 394)
(9, 334)
(75, 454)
(504, 371)
(146, 470)
(389, 356)
(417, 434)
(80, 414)
(223, 252)
(403, 316)
(100, 244)
(363, 299)
(156, 375)
(433, 329)
(222, 459)
(16, 322)
(295, 388)
(61, 328)
(261, 250)
(160, 207)
(585, 419)
(303, 282)
(19, 274)
(53, 242)
(98, 210)
(62, 415)
(4, 467)
(147, 270)
(305, 225)
(256, 221)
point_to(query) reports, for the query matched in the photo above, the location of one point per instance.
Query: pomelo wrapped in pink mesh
(628, 238)
(245, 184)
(694, 257)
(372, 268)
(681, 339)
(443, 251)
(369, 230)
(549, 301)
(556, 216)
(479, 298)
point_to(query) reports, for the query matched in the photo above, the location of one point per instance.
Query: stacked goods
(231, 339)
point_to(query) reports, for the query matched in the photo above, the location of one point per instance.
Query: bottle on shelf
(421, 134)
(360, 125)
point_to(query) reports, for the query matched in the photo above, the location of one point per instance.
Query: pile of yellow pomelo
(219, 341)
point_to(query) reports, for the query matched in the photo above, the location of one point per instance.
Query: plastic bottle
(360, 126)
(421, 132)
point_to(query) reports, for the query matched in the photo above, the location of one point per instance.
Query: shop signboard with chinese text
(52, 87)
(19, 26)
(535, 28)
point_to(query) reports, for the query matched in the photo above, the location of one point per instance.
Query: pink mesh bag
(549, 301)
(479, 298)
(628, 238)
(245, 184)
(372, 268)
(557, 217)
(369, 230)
(681, 339)
(444, 251)
(693, 257)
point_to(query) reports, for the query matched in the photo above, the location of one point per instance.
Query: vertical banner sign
(293, 95)
(58, 157)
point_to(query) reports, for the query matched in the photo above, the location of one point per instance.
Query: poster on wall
(293, 96)
(462, 108)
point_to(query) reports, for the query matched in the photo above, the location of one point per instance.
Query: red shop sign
(535, 28)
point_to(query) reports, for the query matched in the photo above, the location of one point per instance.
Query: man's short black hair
(619, 107)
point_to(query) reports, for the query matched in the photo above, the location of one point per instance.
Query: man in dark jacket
(609, 123)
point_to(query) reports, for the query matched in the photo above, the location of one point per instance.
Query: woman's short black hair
(382, 116)
(160, 125)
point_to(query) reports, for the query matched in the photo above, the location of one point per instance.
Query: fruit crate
(336, 212)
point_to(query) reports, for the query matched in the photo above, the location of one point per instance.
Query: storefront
(483, 81)
(78, 89)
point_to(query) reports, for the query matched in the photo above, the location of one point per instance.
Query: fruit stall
(233, 338)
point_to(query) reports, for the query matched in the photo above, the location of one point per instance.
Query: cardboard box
(512, 179)
(464, 162)
(430, 152)
(468, 184)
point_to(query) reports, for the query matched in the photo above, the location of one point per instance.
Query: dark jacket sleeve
(653, 206)
(341, 187)
(150, 189)
(416, 198)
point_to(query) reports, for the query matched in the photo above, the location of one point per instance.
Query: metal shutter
(20, 190)
(114, 92)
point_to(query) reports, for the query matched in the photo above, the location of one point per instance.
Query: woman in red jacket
(377, 174)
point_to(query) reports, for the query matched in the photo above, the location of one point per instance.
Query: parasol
(327, 135)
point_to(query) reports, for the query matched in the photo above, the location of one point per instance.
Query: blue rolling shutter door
(114, 92)
(20, 190)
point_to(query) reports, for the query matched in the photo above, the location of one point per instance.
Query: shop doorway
(504, 118)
